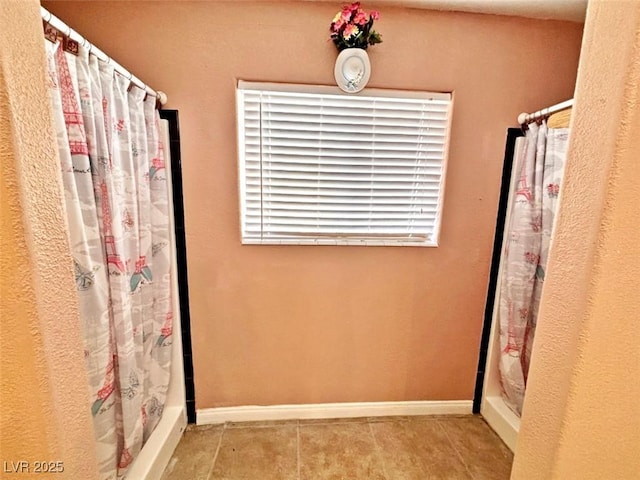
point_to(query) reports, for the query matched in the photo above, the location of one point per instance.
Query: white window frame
(431, 241)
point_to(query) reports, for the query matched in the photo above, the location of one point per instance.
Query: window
(317, 166)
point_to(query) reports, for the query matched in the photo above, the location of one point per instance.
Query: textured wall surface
(580, 418)
(279, 325)
(44, 409)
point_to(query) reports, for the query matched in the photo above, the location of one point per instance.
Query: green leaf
(375, 38)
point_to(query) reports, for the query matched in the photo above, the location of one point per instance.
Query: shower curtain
(116, 200)
(539, 172)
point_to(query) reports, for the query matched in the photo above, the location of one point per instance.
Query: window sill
(352, 242)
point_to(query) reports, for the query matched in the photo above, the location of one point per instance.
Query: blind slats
(278, 216)
(424, 160)
(276, 111)
(410, 177)
(427, 161)
(369, 145)
(353, 168)
(391, 230)
(291, 127)
(255, 98)
(344, 121)
(315, 138)
(346, 203)
(316, 95)
(339, 210)
(275, 192)
(381, 185)
(294, 168)
(354, 153)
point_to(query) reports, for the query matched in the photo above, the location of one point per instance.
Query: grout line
(306, 422)
(241, 425)
(455, 449)
(215, 456)
(378, 450)
(298, 444)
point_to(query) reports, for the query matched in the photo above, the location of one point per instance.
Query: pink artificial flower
(350, 31)
(375, 14)
(353, 7)
(360, 18)
(335, 26)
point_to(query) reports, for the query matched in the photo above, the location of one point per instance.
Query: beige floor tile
(378, 448)
(326, 421)
(339, 451)
(484, 454)
(193, 457)
(416, 450)
(394, 418)
(259, 453)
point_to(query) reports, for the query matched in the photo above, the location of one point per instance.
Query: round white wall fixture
(352, 70)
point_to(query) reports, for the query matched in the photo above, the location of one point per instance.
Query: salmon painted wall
(43, 381)
(291, 324)
(580, 418)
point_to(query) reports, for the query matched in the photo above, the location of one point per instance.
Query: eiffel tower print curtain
(539, 172)
(116, 198)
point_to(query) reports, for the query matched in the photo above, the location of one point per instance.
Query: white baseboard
(253, 413)
(503, 421)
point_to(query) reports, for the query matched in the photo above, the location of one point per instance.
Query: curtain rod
(525, 118)
(62, 27)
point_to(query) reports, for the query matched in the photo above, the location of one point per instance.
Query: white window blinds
(320, 167)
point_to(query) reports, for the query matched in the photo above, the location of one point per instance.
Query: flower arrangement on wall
(352, 27)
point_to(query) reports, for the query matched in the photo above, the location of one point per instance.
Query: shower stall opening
(115, 165)
(157, 451)
(531, 184)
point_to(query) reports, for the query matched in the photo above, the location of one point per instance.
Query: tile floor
(387, 448)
